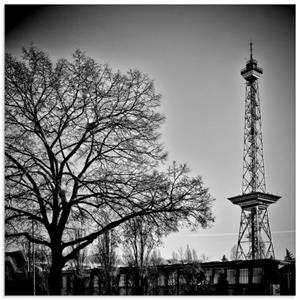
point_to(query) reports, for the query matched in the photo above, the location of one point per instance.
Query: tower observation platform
(254, 241)
(255, 199)
(251, 71)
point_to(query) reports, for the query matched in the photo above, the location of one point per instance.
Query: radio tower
(254, 240)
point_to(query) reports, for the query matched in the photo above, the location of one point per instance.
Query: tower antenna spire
(251, 50)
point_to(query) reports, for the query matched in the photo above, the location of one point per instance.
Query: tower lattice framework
(254, 240)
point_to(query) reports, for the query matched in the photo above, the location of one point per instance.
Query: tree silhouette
(82, 143)
(224, 258)
(289, 256)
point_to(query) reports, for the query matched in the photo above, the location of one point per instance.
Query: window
(208, 274)
(96, 281)
(64, 282)
(122, 280)
(217, 275)
(257, 275)
(161, 280)
(172, 279)
(86, 282)
(243, 278)
(71, 281)
(182, 279)
(130, 281)
(231, 276)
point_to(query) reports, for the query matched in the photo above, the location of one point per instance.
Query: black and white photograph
(149, 149)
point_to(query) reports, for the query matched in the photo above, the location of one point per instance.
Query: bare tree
(185, 256)
(140, 237)
(233, 252)
(105, 252)
(81, 143)
(156, 259)
(106, 249)
(194, 255)
(204, 258)
(174, 259)
(188, 254)
(77, 262)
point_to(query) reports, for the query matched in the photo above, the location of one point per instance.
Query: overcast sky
(194, 54)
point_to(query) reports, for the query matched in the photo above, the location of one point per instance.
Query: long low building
(243, 277)
(249, 277)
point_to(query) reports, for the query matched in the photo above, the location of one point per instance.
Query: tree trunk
(55, 278)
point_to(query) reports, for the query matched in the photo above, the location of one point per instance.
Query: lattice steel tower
(254, 240)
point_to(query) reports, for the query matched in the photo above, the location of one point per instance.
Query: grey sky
(194, 54)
